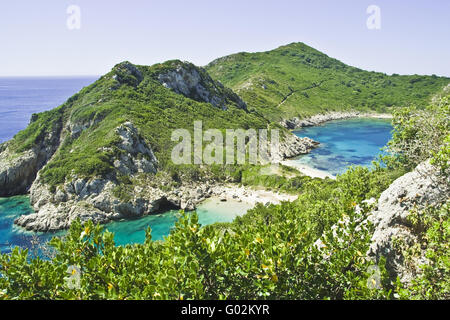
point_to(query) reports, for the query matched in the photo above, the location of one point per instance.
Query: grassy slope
(309, 82)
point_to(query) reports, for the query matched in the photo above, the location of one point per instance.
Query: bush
(420, 135)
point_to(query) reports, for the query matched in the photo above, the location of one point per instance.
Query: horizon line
(99, 75)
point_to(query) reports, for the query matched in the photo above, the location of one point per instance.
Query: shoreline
(318, 119)
(249, 195)
(307, 170)
(189, 199)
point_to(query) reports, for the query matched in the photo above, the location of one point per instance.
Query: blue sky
(35, 41)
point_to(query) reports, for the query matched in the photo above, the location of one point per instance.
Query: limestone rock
(139, 157)
(127, 73)
(18, 170)
(293, 146)
(418, 189)
(296, 123)
(192, 82)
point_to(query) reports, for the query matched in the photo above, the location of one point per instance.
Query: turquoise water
(209, 212)
(10, 235)
(132, 231)
(345, 143)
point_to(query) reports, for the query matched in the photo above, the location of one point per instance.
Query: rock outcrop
(415, 190)
(17, 173)
(18, 170)
(194, 83)
(294, 146)
(296, 123)
(137, 156)
(95, 198)
(127, 73)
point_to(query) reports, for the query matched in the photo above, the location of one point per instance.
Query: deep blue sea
(21, 97)
(342, 143)
(346, 142)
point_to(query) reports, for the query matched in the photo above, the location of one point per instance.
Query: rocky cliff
(417, 190)
(297, 123)
(97, 199)
(19, 169)
(195, 83)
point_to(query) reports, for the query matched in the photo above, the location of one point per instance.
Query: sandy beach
(250, 195)
(308, 171)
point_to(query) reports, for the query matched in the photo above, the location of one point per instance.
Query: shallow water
(209, 212)
(346, 142)
(126, 232)
(11, 235)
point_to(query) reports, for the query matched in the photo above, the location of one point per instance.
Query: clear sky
(35, 40)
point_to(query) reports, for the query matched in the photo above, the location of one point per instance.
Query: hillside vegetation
(88, 143)
(312, 248)
(316, 247)
(297, 81)
(106, 154)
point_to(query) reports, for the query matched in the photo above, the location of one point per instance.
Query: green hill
(83, 133)
(296, 81)
(379, 233)
(80, 137)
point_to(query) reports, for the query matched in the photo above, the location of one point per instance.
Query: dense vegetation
(312, 248)
(421, 134)
(268, 253)
(271, 252)
(297, 80)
